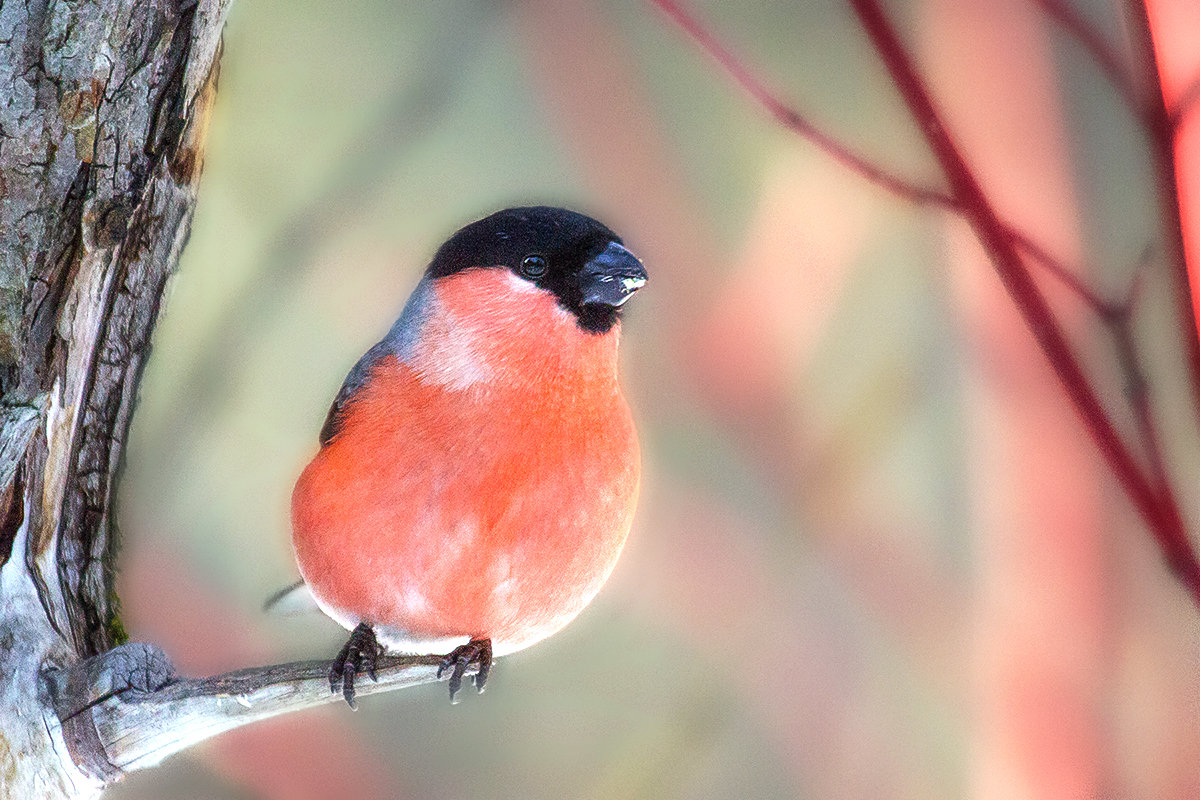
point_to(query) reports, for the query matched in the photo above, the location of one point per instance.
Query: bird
(479, 468)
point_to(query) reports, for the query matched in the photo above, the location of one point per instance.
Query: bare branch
(1004, 244)
(793, 120)
(140, 713)
(1160, 513)
(1162, 129)
(921, 195)
(1098, 48)
(1187, 101)
(1051, 263)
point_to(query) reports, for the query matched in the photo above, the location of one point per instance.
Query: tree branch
(103, 127)
(139, 713)
(1158, 510)
(870, 171)
(1185, 103)
(1098, 48)
(791, 119)
(1005, 246)
(1053, 265)
(1162, 128)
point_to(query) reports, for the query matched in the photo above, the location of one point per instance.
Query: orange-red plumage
(493, 510)
(479, 468)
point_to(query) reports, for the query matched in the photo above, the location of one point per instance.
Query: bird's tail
(291, 600)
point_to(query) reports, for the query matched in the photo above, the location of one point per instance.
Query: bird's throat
(488, 330)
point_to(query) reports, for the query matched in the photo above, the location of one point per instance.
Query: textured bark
(103, 108)
(161, 716)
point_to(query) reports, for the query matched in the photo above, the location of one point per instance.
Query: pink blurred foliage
(797, 250)
(1039, 613)
(746, 339)
(1074, 636)
(754, 318)
(313, 756)
(702, 572)
(1042, 615)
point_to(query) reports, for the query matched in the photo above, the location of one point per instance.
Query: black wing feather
(354, 381)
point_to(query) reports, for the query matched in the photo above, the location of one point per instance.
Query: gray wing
(354, 381)
(398, 342)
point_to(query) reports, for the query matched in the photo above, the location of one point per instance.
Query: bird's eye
(534, 266)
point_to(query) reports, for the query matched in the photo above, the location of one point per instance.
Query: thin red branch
(1187, 101)
(1157, 508)
(1139, 399)
(1162, 129)
(1119, 319)
(796, 122)
(1004, 244)
(1059, 270)
(1101, 51)
(792, 120)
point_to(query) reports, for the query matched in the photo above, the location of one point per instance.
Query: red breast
(484, 485)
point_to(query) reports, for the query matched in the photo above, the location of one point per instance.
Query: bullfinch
(479, 468)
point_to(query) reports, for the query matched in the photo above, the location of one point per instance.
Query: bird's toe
(478, 653)
(359, 654)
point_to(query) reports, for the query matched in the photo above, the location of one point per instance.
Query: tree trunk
(103, 109)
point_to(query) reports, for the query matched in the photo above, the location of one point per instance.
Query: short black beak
(611, 277)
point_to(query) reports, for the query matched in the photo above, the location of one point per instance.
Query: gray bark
(103, 106)
(103, 110)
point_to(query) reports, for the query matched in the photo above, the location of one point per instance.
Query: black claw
(360, 652)
(456, 681)
(485, 668)
(337, 668)
(348, 687)
(477, 652)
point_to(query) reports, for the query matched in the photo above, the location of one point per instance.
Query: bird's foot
(477, 652)
(360, 652)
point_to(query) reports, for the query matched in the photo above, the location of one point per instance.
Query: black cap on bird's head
(579, 260)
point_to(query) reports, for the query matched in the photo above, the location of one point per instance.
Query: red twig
(1157, 508)
(1161, 126)
(1184, 105)
(792, 119)
(1152, 497)
(1097, 47)
(1137, 391)
(789, 118)
(1059, 270)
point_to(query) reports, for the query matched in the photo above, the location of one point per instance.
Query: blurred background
(876, 554)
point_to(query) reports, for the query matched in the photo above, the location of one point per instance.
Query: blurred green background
(821, 597)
